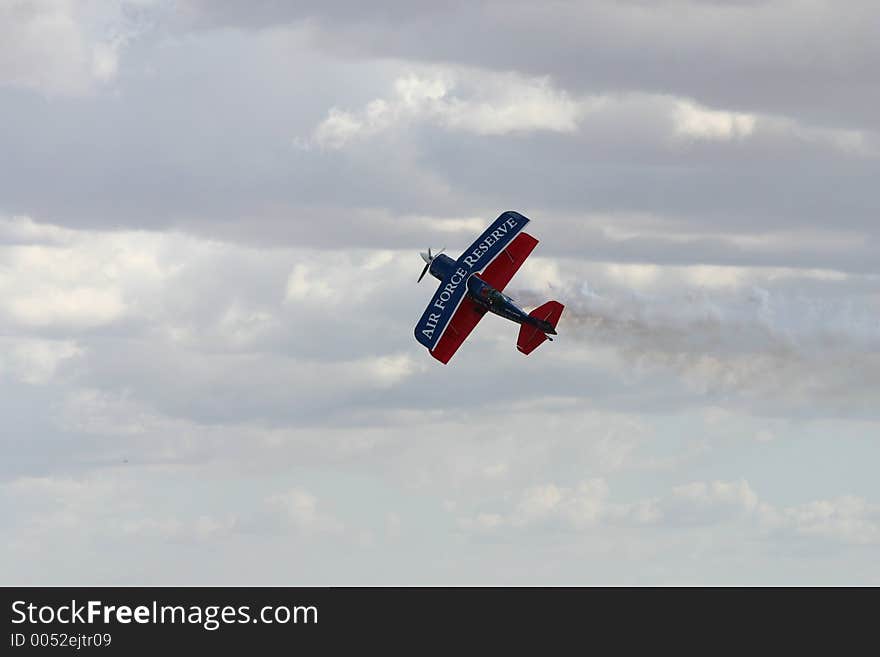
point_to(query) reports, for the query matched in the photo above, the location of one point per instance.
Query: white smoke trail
(786, 346)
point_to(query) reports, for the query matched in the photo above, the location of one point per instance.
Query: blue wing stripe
(443, 305)
(493, 241)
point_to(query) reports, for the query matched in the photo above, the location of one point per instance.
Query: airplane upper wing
(492, 242)
(451, 294)
(462, 323)
(502, 269)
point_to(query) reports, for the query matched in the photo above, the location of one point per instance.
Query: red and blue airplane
(471, 286)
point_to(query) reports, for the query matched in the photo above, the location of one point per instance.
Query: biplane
(473, 285)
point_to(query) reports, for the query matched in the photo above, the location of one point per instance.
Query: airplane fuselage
(487, 297)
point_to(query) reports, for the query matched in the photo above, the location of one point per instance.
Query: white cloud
(63, 47)
(498, 105)
(309, 284)
(392, 369)
(692, 120)
(577, 507)
(56, 277)
(102, 413)
(587, 506)
(43, 46)
(176, 529)
(300, 509)
(701, 494)
(709, 502)
(22, 229)
(105, 61)
(848, 141)
(78, 306)
(848, 519)
(481, 103)
(338, 128)
(35, 361)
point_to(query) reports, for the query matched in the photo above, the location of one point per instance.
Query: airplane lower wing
(502, 268)
(462, 323)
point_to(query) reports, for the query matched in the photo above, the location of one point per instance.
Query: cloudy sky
(210, 213)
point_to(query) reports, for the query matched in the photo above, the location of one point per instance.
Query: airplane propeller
(428, 258)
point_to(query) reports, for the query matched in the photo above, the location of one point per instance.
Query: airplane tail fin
(530, 337)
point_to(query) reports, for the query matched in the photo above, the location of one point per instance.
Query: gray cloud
(209, 218)
(772, 56)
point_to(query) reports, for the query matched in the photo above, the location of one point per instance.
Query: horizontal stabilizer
(531, 337)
